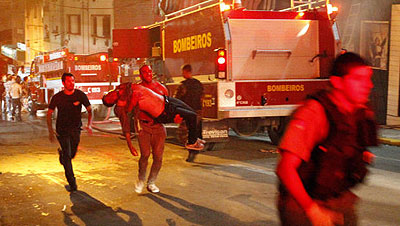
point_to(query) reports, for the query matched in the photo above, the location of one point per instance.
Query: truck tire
(276, 132)
(32, 107)
(246, 127)
(99, 111)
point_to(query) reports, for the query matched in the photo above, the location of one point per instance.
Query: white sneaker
(152, 188)
(139, 186)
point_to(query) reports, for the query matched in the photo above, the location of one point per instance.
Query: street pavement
(232, 186)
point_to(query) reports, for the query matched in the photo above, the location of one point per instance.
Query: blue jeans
(69, 145)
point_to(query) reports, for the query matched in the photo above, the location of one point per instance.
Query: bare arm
(50, 125)
(90, 118)
(287, 172)
(129, 143)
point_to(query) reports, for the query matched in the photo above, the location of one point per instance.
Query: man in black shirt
(191, 93)
(68, 125)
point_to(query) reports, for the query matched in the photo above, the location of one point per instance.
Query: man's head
(110, 98)
(68, 81)
(146, 73)
(187, 71)
(351, 76)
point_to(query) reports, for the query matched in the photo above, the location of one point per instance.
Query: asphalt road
(233, 185)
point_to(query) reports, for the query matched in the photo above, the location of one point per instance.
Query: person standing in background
(191, 93)
(15, 93)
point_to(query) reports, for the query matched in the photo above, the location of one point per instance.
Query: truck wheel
(32, 107)
(246, 126)
(275, 132)
(99, 111)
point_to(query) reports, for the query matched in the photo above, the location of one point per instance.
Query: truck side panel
(192, 39)
(273, 49)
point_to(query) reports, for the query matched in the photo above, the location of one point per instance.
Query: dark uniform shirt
(190, 92)
(69, 110)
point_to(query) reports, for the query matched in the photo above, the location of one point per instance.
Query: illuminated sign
(192, 42)
(57, 55)
(90, 67)
(51, 66)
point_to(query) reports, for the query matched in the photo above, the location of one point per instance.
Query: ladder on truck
(304, 5)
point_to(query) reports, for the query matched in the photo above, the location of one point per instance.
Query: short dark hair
(345, 62)
(66, 75)
(110, 98)
(141, 68)
(187, 67)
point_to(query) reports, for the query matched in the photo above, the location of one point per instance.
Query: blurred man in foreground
(324, 149)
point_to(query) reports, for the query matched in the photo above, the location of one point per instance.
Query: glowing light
(224, 7)
(301, 14)
(115, 59)
(76, 58)
(221, 53)
(221, 60)
(331, 9)
(303, 30)
(103, 58)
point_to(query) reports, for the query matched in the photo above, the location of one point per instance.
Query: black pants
(16, 108)
(69, 145)
(174, 107)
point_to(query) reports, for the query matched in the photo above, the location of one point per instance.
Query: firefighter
(68, 125)
(324, 149)
(191, 92)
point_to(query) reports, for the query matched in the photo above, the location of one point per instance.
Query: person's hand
(320, 216)
(178, 119)
(133, 151)
(89, 130)
(368, 157)
(52, 136)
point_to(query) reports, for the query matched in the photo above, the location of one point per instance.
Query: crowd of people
(14, 93)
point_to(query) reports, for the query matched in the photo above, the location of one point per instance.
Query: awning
(13, 52)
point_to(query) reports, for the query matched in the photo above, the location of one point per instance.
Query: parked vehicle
(255, 66)
(94, 74)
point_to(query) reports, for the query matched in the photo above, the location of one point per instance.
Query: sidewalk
(389, 135)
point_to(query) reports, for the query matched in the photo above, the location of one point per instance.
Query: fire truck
(255, 66)
(94, 74)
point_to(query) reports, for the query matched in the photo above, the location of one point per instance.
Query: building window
(74, 24)
(101, 26)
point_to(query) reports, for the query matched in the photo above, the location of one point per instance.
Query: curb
(389, 141)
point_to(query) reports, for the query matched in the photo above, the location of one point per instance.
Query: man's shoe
(196, 146)
(60, 156)
(201, 141)
(139, 186)
(153, 188)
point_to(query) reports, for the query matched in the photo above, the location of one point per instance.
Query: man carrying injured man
(163, 109)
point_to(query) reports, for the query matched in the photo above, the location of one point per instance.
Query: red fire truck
(255, 66)
(94, 74)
